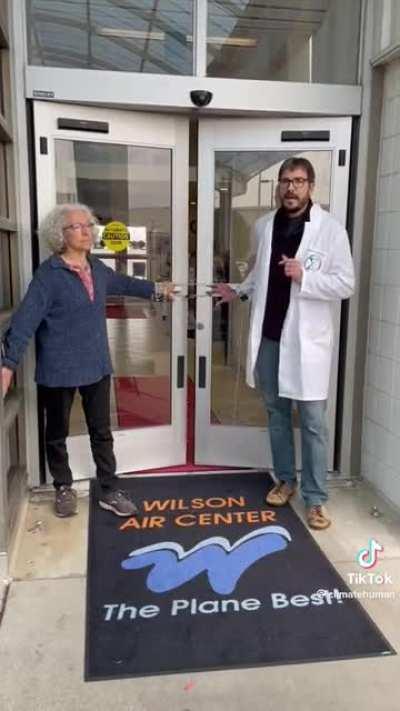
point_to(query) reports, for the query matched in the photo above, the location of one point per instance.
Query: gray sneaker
(119, 502)
(66, 502)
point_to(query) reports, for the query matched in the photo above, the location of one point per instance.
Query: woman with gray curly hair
(52, 227)
(65, 306)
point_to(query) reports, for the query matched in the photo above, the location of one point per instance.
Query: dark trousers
(96, 406)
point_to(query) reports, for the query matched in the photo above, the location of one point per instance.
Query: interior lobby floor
(43, 626)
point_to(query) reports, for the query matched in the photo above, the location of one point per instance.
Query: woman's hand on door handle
(166, 290)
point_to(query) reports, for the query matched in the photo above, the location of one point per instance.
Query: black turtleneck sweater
(286, 237)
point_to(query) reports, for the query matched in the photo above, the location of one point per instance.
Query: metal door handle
(202, 371)
(180, 371)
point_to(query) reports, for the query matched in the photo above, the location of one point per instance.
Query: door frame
(134, 448)
(249, 446)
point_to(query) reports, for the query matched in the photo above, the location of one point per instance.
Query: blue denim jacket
(71, 334)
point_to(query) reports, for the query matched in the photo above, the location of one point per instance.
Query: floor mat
(208, 577)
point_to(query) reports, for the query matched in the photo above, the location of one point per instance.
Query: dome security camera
(200, 97)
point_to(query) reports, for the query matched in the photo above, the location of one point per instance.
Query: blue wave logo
(224, 563)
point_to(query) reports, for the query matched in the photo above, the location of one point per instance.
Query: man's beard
(297, 206)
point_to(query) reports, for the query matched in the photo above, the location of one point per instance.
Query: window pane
(4, 203)
(14, 448)
(133, 36)
(1, 85)
(129, 184)
(313, 41)
(5, 272)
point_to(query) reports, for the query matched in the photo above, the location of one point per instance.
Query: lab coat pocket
(317, 322)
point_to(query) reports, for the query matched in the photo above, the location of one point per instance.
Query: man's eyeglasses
(297, 182)
(80, 226)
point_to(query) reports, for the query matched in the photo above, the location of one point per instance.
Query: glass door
(239, 161)
(131, 168)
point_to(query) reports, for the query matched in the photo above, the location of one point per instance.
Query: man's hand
(225, 293)
(292, 268)
(6, 378)
(167, 290)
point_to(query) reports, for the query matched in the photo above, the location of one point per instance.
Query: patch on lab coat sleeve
(314, 260)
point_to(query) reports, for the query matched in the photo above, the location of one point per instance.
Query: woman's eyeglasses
(80, 226)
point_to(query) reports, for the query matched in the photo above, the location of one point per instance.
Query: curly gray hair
(51, 227)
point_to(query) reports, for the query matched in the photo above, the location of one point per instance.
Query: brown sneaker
(66, 502)
(280, 494)
(317, 517)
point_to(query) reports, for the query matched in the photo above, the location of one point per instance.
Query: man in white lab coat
(303, 267)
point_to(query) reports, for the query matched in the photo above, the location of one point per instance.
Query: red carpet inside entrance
(146, 402)
(120, 311)
(143, 401)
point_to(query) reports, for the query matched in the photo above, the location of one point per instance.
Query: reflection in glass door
(239, 172)
(131, 175)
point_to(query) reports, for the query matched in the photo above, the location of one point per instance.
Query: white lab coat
(307, 338)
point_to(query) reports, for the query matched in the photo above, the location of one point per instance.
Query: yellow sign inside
(116, 236)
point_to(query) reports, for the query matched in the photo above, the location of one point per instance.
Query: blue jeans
(314, 432)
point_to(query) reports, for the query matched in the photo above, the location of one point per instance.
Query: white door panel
(135, 172)
(239, 161)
